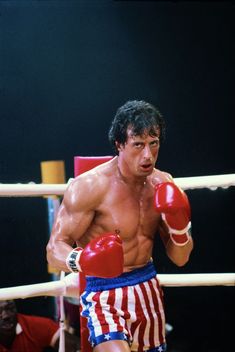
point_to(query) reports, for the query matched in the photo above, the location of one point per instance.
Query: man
(123, 203)
(24, 333)
(27, 333)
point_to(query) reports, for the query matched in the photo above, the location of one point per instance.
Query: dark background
(65, 67)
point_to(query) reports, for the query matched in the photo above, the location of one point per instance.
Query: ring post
(53, 172)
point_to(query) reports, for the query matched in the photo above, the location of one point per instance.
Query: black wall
(65, 67)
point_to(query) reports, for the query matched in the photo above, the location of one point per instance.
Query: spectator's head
(8, 318)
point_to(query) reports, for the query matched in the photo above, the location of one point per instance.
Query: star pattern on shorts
(160, 349)
(107, 337)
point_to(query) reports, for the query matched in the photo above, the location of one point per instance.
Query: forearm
(179, 254)
(57, 252)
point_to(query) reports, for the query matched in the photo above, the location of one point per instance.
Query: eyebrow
(140, 139)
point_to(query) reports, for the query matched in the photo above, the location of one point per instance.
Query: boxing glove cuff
(72, 260)
(175, 231)
(180, 240)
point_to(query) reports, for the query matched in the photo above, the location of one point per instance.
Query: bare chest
(128, 212)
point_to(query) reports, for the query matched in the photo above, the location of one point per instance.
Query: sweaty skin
(116, 197)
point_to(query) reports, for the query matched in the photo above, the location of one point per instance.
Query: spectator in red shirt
(26, 333)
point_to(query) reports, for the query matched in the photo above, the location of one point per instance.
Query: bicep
(71, 223)
(77, 210)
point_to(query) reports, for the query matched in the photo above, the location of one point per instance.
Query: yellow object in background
(53, 172)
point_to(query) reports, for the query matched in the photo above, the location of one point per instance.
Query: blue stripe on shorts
(131, 278)
(161, 348)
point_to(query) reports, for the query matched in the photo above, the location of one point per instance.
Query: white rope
(68, 286)
(211, 182)
(32, 189)
(180, 280)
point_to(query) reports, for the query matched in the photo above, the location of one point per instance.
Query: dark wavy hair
(141, 117)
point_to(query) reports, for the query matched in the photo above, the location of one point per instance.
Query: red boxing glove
(102, 257)
(174, 206)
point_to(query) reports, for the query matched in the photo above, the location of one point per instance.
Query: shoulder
(37, 326)
(23, 319)
(89, 181)
(90, 186)
(36, 321)
(159, 176)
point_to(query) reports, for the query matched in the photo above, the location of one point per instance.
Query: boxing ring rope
(195, 182)
(68, 285)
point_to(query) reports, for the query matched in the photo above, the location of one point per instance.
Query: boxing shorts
(128, 307)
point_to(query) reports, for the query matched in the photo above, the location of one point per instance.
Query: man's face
(140, 152)
(8, 317)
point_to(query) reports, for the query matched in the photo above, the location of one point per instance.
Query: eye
(138, 145)
(154, 143)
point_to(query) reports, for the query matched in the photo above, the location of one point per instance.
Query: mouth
(147, 167)
(7, 325)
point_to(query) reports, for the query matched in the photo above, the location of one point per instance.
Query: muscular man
(129, 198)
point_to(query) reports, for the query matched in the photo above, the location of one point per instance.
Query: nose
(147, 154)
(4, 314)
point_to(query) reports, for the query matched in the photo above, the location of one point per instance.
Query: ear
(119, 146)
